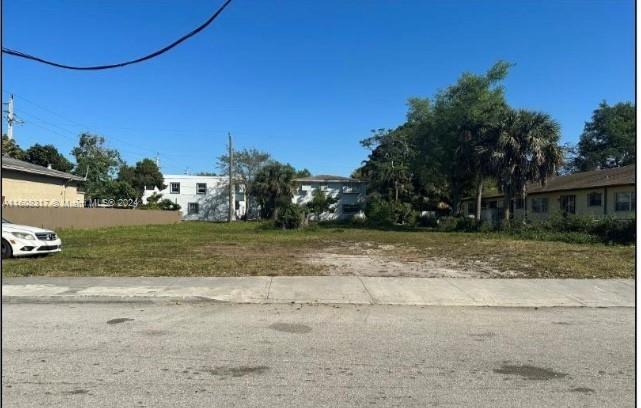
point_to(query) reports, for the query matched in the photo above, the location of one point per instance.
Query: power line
(163, 50)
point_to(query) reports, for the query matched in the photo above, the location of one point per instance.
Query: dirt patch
(368, 259)
(530, 372)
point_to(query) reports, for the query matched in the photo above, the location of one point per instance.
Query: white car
(22, 240)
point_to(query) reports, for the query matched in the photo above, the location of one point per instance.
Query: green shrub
(467, 224)
(447, 224)
(611, 230)
(290, 216)
(429, 221)
(381, 212)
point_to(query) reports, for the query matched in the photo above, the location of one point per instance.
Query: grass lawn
(248, 249)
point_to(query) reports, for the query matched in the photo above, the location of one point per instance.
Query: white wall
(345, 192)
(212, 205)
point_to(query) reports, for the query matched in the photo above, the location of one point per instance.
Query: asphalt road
(204, 355)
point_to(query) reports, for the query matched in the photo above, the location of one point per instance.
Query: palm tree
(273, 188)
(474, 158)
(527, 151)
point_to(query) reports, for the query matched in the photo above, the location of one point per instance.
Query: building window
(149, 188)
(351, 208)
(518, 204)
(568, 204)
(491, 204)
(192, 208)
(237, 205)
(201, 188)
(594, 200)
(624, 201)
(471, 208)
(540, 205)
(174, 188)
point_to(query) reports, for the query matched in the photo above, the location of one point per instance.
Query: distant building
(200, 197)
(29, 185)
(598, 193)
(350, 194)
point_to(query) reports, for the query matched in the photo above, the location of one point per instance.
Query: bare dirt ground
(370, 259)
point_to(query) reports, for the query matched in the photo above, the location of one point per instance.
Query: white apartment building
(350, 194)
(200, 197)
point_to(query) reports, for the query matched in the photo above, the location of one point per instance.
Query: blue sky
(304, 80)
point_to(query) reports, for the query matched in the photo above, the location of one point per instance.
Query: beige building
(598, 193)
(29, 185)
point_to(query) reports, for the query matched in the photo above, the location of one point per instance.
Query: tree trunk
(396, 190)
(479, 199)
(507, 199)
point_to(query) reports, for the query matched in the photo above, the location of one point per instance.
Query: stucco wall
(607, 207)
(23, 189)
(212, 206)
(345, 192)
(82, 218)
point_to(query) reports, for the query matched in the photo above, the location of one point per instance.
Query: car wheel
(7, 251)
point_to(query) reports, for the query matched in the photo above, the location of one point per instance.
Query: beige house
(29, 185)
(598, 193)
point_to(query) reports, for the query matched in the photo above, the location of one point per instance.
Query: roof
(325, 178)
(618, 176)
(9, 163)
(588, 179)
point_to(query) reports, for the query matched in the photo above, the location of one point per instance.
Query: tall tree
(247, 164)
(10, 148)
(388, 166)
(273, 188)
(527, 151)
(144, 174)
(47, 155)
(609, 139)
(467, 116)
(97, 162)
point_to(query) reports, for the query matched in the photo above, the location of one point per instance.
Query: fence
(53, 218)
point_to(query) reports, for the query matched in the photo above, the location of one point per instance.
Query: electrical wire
(24, 55)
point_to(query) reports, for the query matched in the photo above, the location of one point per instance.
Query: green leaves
(609, 139)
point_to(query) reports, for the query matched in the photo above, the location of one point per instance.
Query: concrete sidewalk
(330, 290)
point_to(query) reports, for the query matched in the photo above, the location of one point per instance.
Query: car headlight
(23, 235)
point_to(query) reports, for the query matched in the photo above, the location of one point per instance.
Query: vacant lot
(244, 249)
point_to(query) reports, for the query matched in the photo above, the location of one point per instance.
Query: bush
(577, 229)
(429, 221)
(447, 224)
(381, 212)
(467, 224)
(611, 230)
(290, 216)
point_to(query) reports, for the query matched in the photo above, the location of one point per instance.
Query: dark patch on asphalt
(563, 323)
(76, 392)
(530, 372)
(483, 335)
(236, 371)
(290, 328)
(154, 333)
(584, 390)
(119, 320)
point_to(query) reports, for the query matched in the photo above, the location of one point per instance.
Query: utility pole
(10, 118)
(231, 184)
